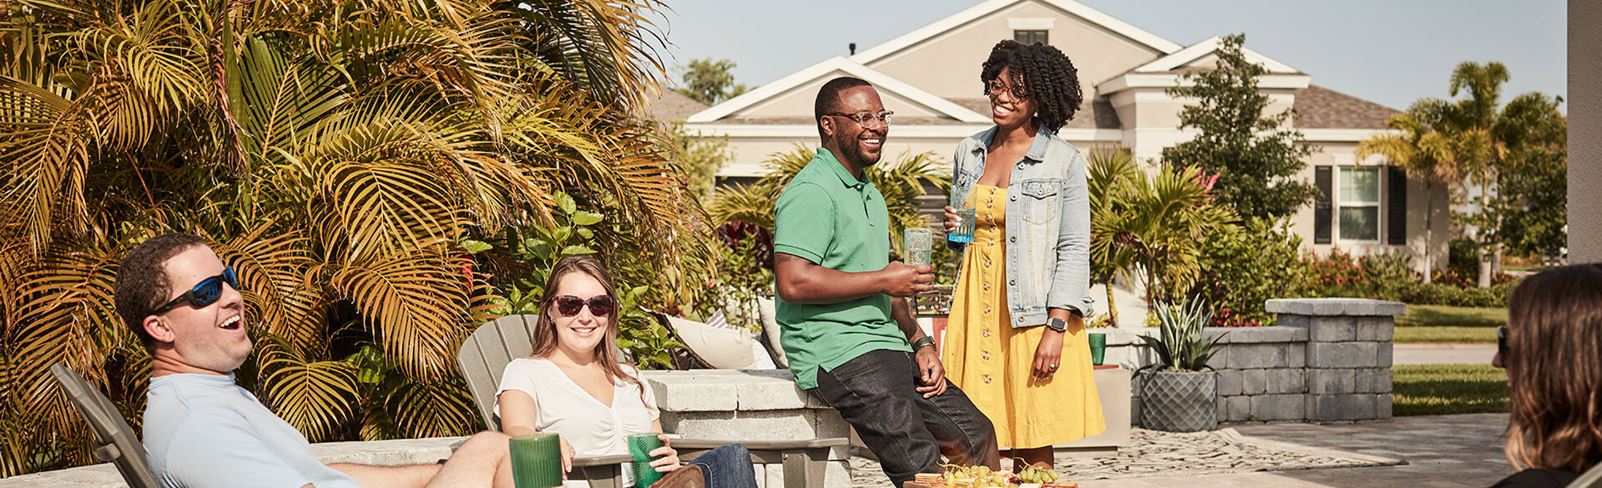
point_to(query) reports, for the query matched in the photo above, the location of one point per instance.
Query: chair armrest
(763, 445)
(587, 461)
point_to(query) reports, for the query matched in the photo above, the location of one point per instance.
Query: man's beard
(851, 147)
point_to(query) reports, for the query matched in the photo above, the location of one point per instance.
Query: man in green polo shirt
(850, 338)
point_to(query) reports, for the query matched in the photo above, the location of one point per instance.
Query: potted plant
(1179, 392)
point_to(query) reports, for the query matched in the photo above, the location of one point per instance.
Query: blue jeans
(727, 467)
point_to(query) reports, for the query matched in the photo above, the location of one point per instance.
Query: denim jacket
(1048, 224)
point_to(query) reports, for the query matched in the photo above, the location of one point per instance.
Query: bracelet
(922, 341)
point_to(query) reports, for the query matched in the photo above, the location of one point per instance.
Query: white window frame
(1378, 204)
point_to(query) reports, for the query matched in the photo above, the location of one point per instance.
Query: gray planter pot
(1179, 401)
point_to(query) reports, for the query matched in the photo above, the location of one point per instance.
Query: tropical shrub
(901, 182)
(1153, 223)
(337, 154)
(1385, 276)
(1244, 266)
(1459, 296)
(527, 254)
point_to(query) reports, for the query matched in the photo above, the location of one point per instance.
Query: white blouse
(592, 428)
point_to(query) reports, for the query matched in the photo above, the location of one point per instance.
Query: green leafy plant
(533, 250)
(1244, 266)
(1180, 345)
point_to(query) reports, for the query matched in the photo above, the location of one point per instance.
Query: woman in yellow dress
(1016, 338)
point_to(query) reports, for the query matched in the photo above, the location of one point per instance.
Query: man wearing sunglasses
(850, 339)
(203, 430)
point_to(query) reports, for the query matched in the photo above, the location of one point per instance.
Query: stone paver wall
(1327, 360)
(750, 405)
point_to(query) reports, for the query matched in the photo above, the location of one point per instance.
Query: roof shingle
(1323, 108)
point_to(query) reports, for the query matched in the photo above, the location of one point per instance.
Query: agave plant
(337, 154)
(1180, 345)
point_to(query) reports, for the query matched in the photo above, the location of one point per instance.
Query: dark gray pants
(876, 393)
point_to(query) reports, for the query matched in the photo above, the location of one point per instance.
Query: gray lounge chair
(493, 345)
(115, 442)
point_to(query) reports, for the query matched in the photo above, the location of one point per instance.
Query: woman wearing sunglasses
(1551, 348)
(576, 385)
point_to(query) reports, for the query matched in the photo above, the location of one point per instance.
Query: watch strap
(922, 341)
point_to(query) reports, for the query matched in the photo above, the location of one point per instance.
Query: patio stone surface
(1450, 451)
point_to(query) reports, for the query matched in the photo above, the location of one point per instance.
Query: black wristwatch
(922, 341)
(1057, 324)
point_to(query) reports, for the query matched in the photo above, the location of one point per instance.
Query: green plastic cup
(640, 446)
(1098, 348)
(537, 460)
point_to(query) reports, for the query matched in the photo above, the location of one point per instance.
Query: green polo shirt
(833, 219)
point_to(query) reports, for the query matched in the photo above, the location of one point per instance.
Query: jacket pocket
(1041, 200)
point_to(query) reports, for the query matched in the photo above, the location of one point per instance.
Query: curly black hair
(1045, 74)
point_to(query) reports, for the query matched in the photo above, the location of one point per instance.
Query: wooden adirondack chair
(115, 442)
(493, 345)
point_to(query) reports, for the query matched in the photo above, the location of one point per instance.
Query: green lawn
(1444, 324)
(1440, 389)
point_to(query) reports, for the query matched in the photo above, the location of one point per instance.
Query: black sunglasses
(206, 292)
(569, 305)
(1501, 341)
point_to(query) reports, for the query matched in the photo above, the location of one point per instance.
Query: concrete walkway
(1448, 451)
(1443, 353)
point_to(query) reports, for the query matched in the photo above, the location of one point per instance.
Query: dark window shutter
(1396, 207)
(1321, 208)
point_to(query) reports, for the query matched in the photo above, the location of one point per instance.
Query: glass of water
(917, 243)
(964, 232)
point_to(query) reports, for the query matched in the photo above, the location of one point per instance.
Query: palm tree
(1469, 140)
(1153, 223)
(335, 154)
(1418, 147)
(901, 184)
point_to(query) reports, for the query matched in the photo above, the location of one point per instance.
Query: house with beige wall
(930, 78)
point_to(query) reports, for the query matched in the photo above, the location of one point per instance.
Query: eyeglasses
(1501, 341)
(569, 305)
(204, 293)
(993, 88)
(862, 118)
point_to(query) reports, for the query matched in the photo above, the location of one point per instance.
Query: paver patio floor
(1448, 451)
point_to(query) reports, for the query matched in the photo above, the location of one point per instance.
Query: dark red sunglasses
(569, 305)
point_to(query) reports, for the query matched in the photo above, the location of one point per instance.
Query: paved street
(1443, 353)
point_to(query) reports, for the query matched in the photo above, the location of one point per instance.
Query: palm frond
(317, 397)
(415, 305)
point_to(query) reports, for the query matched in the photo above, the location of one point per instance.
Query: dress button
(985, 356)
(987, 378)
(1012, 282)
(987, 309)
(985, 333)
(1013, 198)
(1012, 239)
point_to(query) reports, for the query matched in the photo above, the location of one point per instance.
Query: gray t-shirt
(204, 430)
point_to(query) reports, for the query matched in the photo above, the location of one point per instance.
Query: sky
(1387, 51)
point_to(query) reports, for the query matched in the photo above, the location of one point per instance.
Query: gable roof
(1072, 7)
(673, 106)
(880, 81)
(1322, 108)
(1193, 52)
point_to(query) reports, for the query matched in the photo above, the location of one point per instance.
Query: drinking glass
(917, 242)
(964, 232)
(537, 460)
(640, 446)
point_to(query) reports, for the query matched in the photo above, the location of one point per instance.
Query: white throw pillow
(770, 329)
(719, 347)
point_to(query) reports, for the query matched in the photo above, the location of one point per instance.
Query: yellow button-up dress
(992, 361)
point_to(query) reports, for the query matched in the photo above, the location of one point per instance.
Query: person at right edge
(1016, 336)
